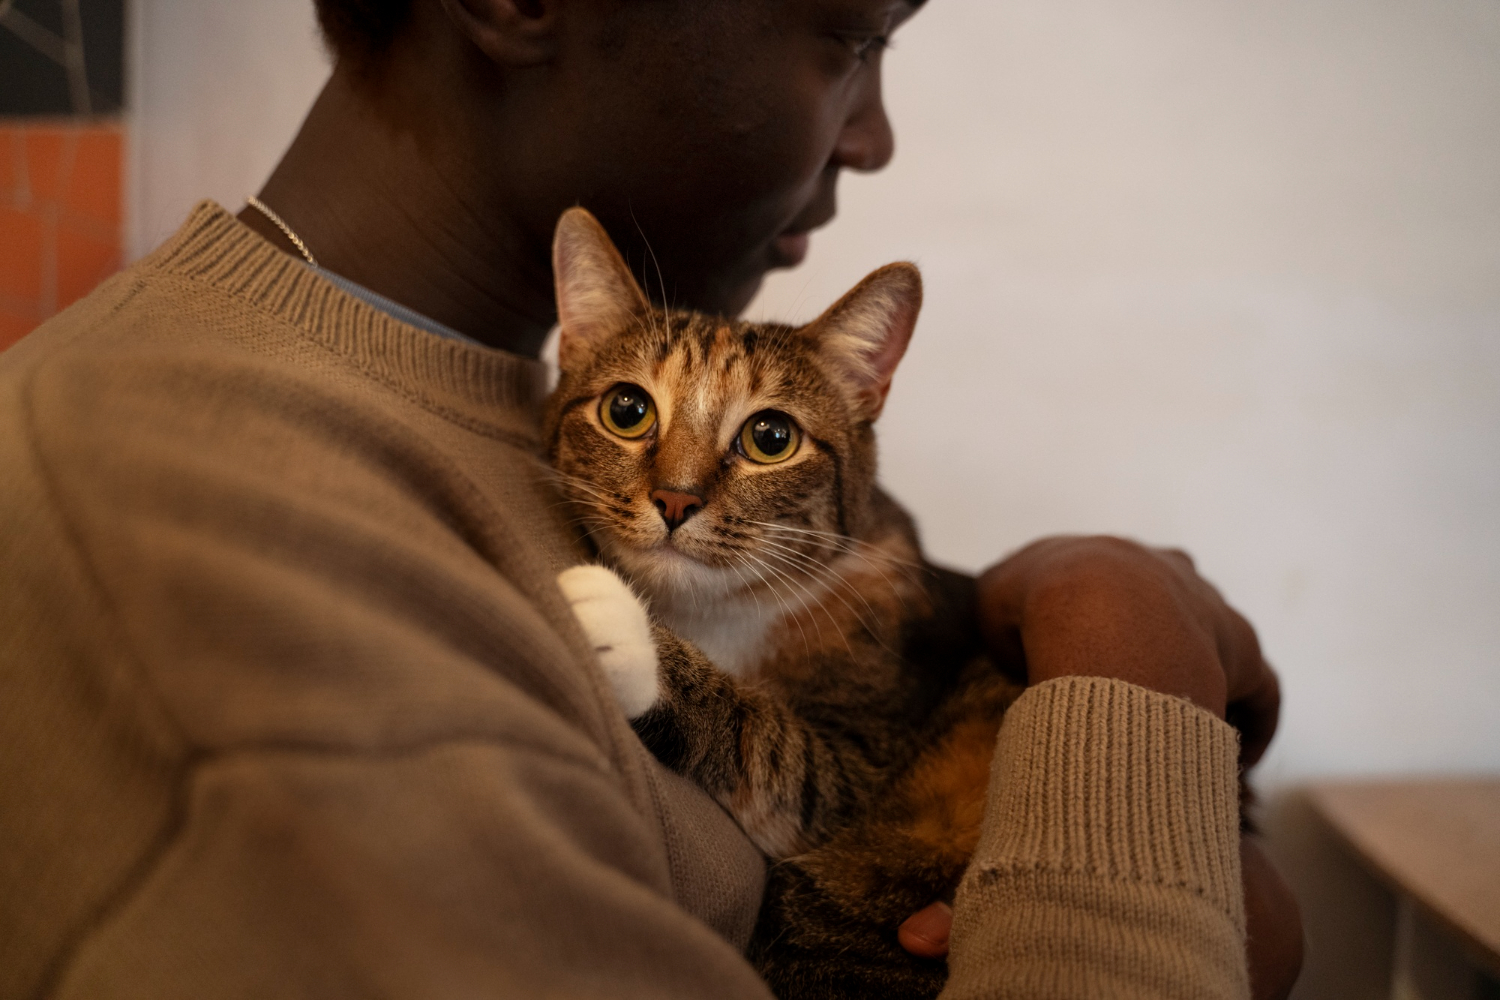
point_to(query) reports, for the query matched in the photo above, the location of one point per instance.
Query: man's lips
(790, 249)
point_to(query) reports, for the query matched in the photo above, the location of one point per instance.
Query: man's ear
(597, 296)
(509, 32)
(864, 334)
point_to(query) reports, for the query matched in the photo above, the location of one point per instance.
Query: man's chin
(741, 296)
(785, 251)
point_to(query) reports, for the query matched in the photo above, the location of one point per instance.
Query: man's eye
(867, 47)
(862, 45)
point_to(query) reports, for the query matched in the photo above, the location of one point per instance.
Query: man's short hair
(361, 30)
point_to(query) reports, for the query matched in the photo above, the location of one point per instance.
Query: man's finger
(1255, 715)
(925, 933)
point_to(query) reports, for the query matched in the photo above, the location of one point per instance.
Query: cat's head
(703, 454)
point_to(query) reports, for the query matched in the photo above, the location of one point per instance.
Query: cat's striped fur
(816, 675)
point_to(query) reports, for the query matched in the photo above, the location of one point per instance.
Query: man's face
(713, 132)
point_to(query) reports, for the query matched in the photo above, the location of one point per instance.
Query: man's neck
(385, 207)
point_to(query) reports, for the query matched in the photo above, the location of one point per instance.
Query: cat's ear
(597, 296)
(864, 334)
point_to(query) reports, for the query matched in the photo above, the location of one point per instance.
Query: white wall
(1218, 275)
(218, 88)
(1225, 276)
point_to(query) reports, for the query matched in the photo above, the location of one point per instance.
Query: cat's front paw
(615, 622)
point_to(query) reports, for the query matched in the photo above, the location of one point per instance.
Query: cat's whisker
(812, 602)
(747, 563)
(803, 557)
(834, 580)
(570, 502)
(559, 476)
(597, 495)
(750, 589)
(896, 565)
(696, 608)
(842, 540)
(752, 559)
(804, 563)
(564, 477)
(661, 281)
(794, 614)
(843, 543)
(837, 541)
(868, 626)
(574, 502)
(827, 571)
(591, 527)
(819, 575)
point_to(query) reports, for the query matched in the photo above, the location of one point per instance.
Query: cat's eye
(769, 437)
(627, 410)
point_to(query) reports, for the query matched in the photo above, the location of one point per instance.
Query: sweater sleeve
(1108, 864)
(464, 869)
(284, 712)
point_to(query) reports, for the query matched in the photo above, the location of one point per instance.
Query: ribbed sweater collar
(486, 389)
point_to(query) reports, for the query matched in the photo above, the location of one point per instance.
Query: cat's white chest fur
(737, 632)
(735, 640)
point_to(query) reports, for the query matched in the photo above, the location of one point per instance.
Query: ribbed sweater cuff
(1109, 859)
(1101, 776)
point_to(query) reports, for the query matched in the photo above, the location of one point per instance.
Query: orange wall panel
(23, 249)
(46, 162)
(10, 150)
(60, 217)
(93, 190)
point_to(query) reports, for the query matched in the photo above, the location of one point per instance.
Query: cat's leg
(827, 927)
(615, 622)
(789, 775)
(787, 778)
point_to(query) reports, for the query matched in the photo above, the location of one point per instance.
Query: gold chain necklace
(280, 224)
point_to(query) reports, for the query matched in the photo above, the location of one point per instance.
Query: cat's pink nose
(675, 507)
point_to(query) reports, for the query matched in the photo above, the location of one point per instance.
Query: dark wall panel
(34, 73)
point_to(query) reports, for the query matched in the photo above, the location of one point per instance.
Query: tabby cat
(801, 661)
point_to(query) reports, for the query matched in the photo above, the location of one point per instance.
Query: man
(292, 705)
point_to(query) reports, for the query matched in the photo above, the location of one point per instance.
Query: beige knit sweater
(291, 707)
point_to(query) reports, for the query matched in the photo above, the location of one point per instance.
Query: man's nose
(675, 506)
(866, 141)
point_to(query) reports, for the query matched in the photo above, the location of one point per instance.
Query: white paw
(615, 622)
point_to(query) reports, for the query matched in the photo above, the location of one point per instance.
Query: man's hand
(1105, 607)
(925, 933)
